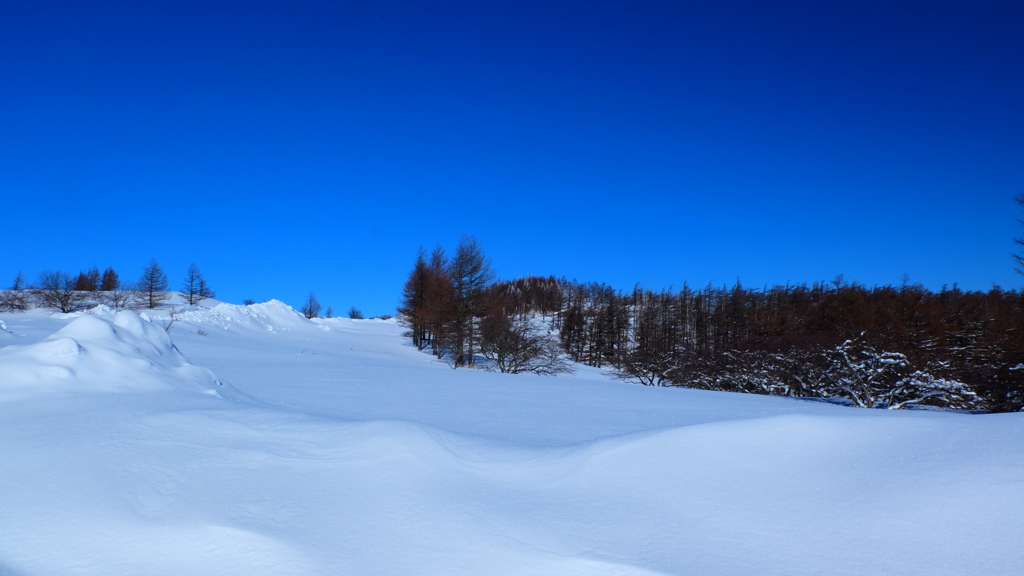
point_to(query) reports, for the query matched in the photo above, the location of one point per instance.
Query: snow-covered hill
(249, 440)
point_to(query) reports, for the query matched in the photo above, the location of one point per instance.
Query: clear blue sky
(295, 146)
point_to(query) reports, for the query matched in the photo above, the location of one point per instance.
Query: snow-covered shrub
(14, 300)
(872, 378)
(515, 344)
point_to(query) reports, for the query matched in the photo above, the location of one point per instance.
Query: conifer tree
(470, 273)
(194, 286)
(14, 299)
(413, 305)
(110, 281)
(311, 308)
(153, 284)
(439, 304)
(88, 281)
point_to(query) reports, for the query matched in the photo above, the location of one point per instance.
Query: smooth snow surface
(334, 447)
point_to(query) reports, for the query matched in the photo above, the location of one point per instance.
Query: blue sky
(289, 147)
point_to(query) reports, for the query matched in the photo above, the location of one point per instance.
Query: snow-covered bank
(126, 354)
(349, 452)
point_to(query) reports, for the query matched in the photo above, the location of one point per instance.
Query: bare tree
(205, 291)
(124, 297)
(470, 273)
(194, 286)
(438, 312)
(413, 307)
(311, 308)
(171, 320)
(355, 313)
(514, 346)
(57, 290)
(14, 299)
(153, 284)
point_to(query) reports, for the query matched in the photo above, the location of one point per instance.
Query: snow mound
(272, 316)
(92, 354)
(5, 334)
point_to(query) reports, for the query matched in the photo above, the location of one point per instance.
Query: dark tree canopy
(110, 280)
(88, 281)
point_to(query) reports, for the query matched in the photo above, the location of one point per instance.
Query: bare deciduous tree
(153, 284)
(171, 320)
(124, 297)
(414, 298)
(470, 273)
(57, 290)
(514, 346)
(15, 299)
(194, 286)
(311, 308)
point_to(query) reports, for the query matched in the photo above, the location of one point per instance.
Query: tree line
(882, 346)
(67, 292)
(888, 346)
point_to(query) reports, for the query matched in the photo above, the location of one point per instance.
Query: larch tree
(194, 286)
(109, 281)
(470, 273)
(88, 281)
(311, 308)
(153, 284)
(19, 282)
(14, 299)
(205, 291)
(413, 305)
(439, 304)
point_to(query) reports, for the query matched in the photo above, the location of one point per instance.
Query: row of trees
(311, 308)
(888, 346)
(60, 290)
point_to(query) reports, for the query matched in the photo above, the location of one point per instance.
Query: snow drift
(271, 316)
(92, 354)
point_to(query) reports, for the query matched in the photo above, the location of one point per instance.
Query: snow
(333, 447)
(90, 354)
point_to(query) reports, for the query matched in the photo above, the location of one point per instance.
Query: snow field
(334, 447)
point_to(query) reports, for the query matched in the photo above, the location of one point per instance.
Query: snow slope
(334, 447)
